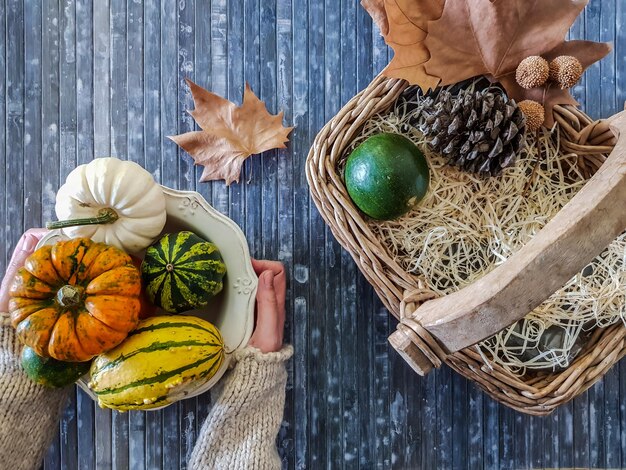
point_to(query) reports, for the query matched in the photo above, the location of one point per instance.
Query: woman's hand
(270, 306)
(24, 248)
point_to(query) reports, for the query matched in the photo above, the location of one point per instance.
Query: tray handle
(570, 241)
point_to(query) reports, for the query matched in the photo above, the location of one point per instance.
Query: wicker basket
(401, 292)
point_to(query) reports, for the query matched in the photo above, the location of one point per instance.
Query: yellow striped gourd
(164, 360)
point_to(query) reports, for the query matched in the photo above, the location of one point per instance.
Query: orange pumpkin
(76, 299)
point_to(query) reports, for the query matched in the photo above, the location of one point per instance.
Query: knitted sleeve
(240, 431)
(29, 413)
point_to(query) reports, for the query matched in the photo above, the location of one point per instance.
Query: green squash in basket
(386, 176)
(49, 372)
(181, 272)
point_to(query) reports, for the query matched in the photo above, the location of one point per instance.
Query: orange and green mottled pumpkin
(76, 299)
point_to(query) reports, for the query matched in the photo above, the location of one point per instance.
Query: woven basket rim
(540, 394)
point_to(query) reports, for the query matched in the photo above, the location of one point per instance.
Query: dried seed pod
(532, 72)
(535, 114)
(566, 70)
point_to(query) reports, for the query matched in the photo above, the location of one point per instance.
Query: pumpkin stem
(105, 216)
(70, 296)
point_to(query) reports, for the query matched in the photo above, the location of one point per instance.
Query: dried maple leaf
(376, 9)
(408, 22)
(587, 52)
(230, 133)
(491, 37)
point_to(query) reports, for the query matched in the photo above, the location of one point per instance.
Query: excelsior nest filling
(467, 225)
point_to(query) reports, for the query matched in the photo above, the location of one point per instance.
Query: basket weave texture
(537, 393)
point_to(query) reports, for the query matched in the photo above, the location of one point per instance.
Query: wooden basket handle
(568, 243)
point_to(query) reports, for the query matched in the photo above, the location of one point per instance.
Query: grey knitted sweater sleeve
(29, 413)
(240, 431)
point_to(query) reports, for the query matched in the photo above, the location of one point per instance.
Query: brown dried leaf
(376, 9)
(587, 52)
(408, 22)
(491, 37)
(230, 133)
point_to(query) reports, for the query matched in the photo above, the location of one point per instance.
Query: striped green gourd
(181, 272)
(164, 360)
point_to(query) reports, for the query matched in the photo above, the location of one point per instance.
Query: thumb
(266, 298)
(23, 250)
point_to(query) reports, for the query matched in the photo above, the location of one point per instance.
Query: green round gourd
(50, 372)
(386, 176)
(182, 271)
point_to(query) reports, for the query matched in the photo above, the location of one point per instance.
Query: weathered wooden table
(84, 79)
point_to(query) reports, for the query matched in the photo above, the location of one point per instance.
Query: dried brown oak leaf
(491, 38)
(230, 133)
(408, 23)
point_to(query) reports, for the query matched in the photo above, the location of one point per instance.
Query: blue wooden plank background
(83, 79)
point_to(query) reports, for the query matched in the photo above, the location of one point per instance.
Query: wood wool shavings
(467, 225)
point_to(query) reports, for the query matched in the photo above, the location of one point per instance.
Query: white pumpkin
(111, 201)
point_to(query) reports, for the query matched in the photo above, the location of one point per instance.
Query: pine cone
(480, 131)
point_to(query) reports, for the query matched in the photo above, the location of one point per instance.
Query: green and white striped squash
(164, 360)
(181, 272)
